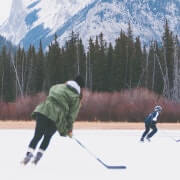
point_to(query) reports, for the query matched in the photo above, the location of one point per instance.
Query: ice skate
(148, 139)
(37, 157)
(28, 157)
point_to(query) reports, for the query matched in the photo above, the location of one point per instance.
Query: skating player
(150, 123)
(57, 112)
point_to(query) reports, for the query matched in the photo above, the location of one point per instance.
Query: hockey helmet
(158, 108)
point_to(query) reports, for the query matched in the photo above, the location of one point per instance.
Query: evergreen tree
(99, 64)
(108, 75)
(168, 52)
(71, 57)
(144, 75)
(53, 64)
(129, 56)
(7, 77)
(137, 63)
(21, 69)
(30, 85)
(95, 66)
(116, 65)
(120, 64)
(102, 63)
(39, 70)
(81, 58)
(90, 64)
(159, 83)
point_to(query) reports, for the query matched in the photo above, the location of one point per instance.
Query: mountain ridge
(36, 20)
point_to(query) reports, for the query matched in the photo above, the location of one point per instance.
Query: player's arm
(72, 115)
(155, 116)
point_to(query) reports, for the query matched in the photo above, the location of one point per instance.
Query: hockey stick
(99, 160)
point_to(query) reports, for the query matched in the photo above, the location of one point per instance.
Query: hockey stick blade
(99, 160)
(111, 167)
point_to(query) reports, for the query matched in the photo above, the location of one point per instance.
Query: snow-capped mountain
(32, 20)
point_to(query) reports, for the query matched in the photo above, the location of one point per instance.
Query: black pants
(44, 128)
(148, 126)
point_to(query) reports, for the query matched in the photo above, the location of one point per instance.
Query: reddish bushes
(21, 109)
(129, 105)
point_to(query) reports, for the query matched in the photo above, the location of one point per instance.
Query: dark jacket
(151, 117)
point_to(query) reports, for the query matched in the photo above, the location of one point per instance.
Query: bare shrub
(126, 106)
(129, 105)
(21, 109)
(25, 105)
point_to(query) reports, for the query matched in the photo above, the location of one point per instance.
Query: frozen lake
(65, 159)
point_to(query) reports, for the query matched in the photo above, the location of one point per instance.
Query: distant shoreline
(89, 125)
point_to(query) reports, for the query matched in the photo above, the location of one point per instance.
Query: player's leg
(39, 131)
(147, 128)
(154, 130)
(48, 133)
(41, 124)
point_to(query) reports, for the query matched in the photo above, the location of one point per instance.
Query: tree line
(106, 68)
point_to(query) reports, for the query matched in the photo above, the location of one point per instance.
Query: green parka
(61, 106)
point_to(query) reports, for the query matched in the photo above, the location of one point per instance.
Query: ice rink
(65, 159)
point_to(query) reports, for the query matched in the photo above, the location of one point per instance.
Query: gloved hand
(153, 122)
(70, 134)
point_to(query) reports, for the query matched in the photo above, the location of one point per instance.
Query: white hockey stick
(99, 160)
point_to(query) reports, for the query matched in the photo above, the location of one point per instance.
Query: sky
(5, 10)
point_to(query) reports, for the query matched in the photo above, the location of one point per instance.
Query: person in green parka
(57, 113)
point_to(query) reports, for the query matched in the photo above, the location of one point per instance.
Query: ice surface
(67, 160)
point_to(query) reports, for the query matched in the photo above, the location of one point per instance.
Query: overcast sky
(5, 10)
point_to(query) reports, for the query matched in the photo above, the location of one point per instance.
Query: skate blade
(25, 161)
(34, 162)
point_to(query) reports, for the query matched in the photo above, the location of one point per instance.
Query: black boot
(148, 139)
(27, 158)
(37, 157)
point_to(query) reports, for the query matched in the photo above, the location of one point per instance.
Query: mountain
(32, 20)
